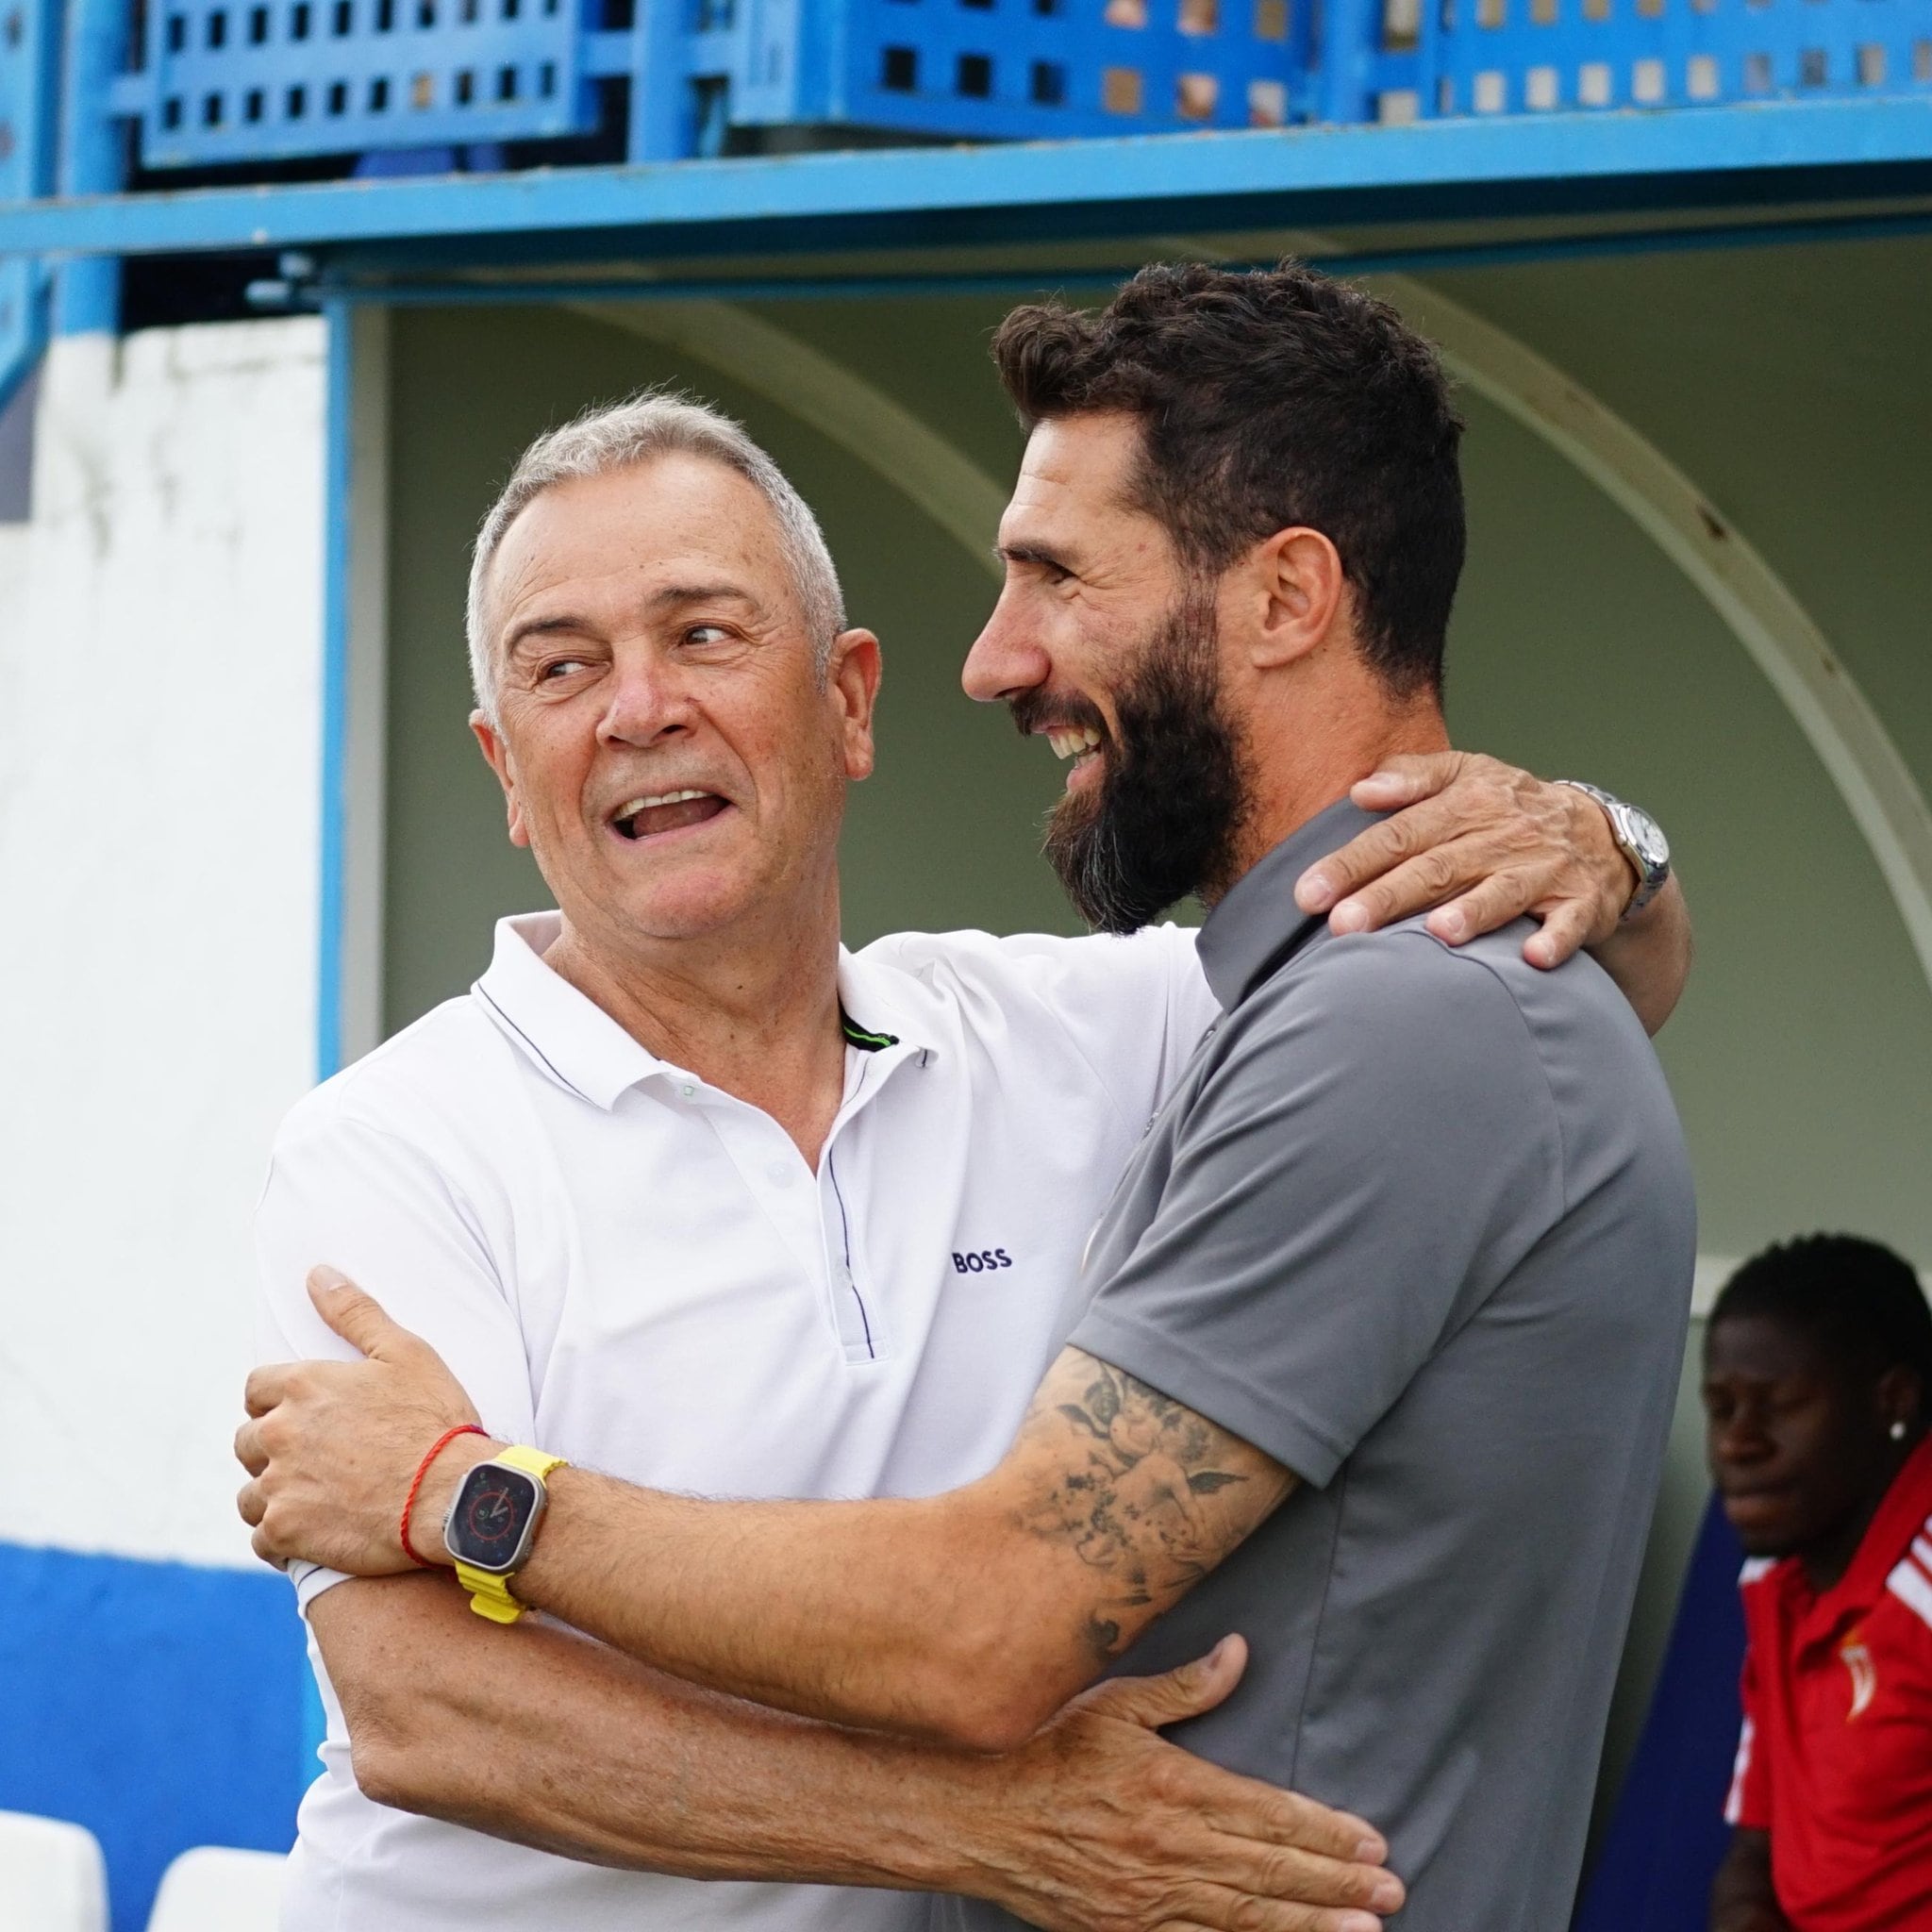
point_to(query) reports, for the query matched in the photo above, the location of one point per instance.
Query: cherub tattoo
(1143, 1491)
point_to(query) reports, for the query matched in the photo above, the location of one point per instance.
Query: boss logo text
(983, 1263)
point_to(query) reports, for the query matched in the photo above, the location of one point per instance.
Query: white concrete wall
(160, 678)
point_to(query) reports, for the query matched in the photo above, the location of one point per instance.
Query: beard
(1163, 819)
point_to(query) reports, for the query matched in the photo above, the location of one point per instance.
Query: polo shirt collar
(1258, 924)
(581, 1045)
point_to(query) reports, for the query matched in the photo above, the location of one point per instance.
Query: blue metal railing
(246, 83)
(29, 65)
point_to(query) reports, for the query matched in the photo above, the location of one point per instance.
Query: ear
(852, 678)
(1901, 1395)
(1297, 577)
(491, 739)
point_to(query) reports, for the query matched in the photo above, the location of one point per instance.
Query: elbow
(992, 1697)
(382, 1774)
(394, 1761)
(387, 1771)
(989, 1723)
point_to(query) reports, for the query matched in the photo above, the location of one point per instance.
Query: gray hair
(619, 436)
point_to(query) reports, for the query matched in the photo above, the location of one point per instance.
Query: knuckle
(1497, 899)
(1435, 871)
(1401, 835)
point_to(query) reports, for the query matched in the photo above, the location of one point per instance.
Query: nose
(1004, 659)
(1740, 1440)
(647, 701)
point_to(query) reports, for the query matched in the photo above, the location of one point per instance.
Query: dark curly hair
(1268, 398)
(1857, 1300)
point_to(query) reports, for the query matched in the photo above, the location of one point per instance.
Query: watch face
(1648, 838)
(492, 1517)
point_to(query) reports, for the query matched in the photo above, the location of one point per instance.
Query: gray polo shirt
(1417, 1222)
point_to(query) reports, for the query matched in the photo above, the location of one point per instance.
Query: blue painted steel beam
(1787, 152)
(88, 290)
(527, 291)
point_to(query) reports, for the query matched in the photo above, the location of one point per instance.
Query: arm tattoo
(1143, 1491)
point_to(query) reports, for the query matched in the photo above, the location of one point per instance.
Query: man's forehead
(1075, 469)
(618, 538)
(1758, 1343)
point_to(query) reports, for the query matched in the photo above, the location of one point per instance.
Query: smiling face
(1799, 1445)
(1106, 645)
(666, 745)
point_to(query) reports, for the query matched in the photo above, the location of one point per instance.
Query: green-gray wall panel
(1794, 386)
(1802, 1057)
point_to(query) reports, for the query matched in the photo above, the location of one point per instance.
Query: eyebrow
(1031, 553)
(567, 622)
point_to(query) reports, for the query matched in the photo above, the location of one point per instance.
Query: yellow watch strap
(490, 1595)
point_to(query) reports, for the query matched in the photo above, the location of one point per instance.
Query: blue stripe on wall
(160, 1705)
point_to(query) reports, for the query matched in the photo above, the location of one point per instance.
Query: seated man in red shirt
(1817, 1384)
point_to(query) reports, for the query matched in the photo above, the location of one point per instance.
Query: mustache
(1037, 711)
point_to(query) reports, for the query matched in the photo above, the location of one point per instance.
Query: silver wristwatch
(1639, 836)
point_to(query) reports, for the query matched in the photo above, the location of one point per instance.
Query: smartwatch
(491, 1524)
(1641, 840)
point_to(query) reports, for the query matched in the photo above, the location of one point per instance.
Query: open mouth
(651, 815)
(1079, 743)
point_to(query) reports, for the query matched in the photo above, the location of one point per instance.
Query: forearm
(969, 1616)
(905, 1616)
(1742, 1896)
(1649, 956)
(579, 1751)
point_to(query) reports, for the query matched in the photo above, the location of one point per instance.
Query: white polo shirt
(640, 1272)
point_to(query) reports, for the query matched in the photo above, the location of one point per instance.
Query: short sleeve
(1373, 1144)
(374, 1206)
(1748, 1805)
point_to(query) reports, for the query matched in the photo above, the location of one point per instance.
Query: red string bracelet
(436, 1449)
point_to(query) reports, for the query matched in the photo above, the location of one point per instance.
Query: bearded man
(1373, 1344)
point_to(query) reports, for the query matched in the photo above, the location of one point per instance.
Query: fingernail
(330, 1278)
(1313, 892)
(1350, 916)
(1370, 1851)
(1387, 1894)
(1446, 925)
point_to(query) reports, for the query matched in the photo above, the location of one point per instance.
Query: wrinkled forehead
(612, 543)
(1080, 481)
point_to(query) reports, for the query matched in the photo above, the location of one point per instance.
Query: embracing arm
(584, 1753)
(1094, 1825)
(1482, 842)
(969, 1616)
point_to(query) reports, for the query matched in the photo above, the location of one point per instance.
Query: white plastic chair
(52, 1876)
(212, 1889)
